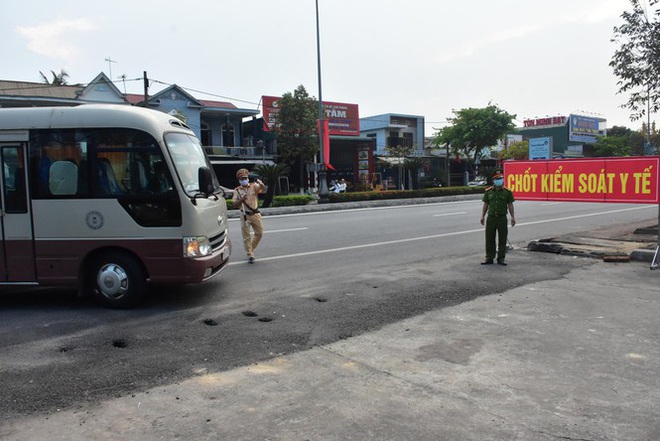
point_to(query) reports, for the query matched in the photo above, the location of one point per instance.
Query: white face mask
(243, 182)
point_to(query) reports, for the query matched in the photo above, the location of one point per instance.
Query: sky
(421, 57)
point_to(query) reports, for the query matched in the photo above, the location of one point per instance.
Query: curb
(334, 206)
(546, 246)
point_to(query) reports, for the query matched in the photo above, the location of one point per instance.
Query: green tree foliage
(637, 60)
(516, 150)
(612, 146)
(486, 171)
(271, 173)
(472, 130)
(399, 151)
(622, 141)
(414, 164)
(619, 131)
(59, 79)
(296, 129)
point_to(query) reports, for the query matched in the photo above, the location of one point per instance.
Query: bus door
(17, 261)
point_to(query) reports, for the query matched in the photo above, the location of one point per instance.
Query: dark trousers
(496, 225)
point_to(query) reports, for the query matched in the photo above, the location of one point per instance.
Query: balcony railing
(399, 141)
(237, 151)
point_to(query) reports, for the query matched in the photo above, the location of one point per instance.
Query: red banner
(326, 144)
(343, 118)
(625, 180)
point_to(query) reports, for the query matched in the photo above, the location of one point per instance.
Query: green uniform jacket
(498, 200)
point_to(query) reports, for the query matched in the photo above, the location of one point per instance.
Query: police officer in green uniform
(497, 201)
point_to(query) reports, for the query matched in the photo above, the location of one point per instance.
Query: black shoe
(251, 260)
(487, 262)
(501, 262)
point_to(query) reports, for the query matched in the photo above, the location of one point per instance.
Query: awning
(228, 161)
(391, 160)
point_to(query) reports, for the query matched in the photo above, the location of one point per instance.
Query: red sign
(548, 121)
(626, 180)
(343, 119)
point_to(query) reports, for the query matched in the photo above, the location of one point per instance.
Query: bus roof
(87, 115)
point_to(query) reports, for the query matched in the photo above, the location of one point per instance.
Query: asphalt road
(319, 278)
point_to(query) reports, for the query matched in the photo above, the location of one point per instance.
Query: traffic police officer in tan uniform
(246, 199)
(497, 201)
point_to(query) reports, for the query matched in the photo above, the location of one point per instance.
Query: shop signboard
(625, 180)
(545, 122)
(343, 118)
(583, 129)
(540, 148)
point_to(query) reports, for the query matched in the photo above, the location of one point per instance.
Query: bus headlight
(196, 246)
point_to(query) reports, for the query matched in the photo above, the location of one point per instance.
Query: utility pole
(146, 87)
(447, 168)
(323, 185)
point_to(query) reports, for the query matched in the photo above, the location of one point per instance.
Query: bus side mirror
(205, 180)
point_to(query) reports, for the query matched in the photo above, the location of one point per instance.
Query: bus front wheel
(116, 280)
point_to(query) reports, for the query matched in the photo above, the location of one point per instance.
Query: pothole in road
(320, 299)
(250, 314)
(210, 322)
(119, 343)
(266, 319)
(66, 349)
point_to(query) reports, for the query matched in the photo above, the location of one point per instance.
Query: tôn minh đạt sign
(625, 180)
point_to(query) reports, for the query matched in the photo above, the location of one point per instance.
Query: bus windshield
(188, 156)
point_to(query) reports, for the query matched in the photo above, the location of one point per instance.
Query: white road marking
(450, 214)
(286, 230)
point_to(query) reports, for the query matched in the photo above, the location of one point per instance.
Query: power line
(203, 92)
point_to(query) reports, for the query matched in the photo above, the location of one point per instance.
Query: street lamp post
(323, 185)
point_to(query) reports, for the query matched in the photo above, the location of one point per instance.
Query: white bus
(107, 198)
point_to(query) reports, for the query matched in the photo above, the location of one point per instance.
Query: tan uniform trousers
(254, 222)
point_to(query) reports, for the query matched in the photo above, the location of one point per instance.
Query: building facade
(391, 130)
(217, 124)
(565, 136)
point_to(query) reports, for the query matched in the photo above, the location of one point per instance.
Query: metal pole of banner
(655, 263)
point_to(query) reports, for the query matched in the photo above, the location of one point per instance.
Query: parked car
(477, 183)
(429, 182)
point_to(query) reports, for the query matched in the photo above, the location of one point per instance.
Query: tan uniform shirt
(252, 200)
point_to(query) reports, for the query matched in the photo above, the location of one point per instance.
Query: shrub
(355, 196)
(287, 201)
(403, 194)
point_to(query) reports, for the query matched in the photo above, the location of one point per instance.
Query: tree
(619, 131)
(271, 173)
(400, 152)
(612, 146)
(516, 150)
(59, 79)
(296, 129)
(414, 164)
(637, 60)
(473, 130)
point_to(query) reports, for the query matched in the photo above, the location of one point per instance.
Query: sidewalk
(574, 358)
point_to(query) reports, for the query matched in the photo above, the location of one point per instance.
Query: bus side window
(44, 175)
(63, 178)
(160, 182)
(107, 182)
(14, 182)
(138, 176)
